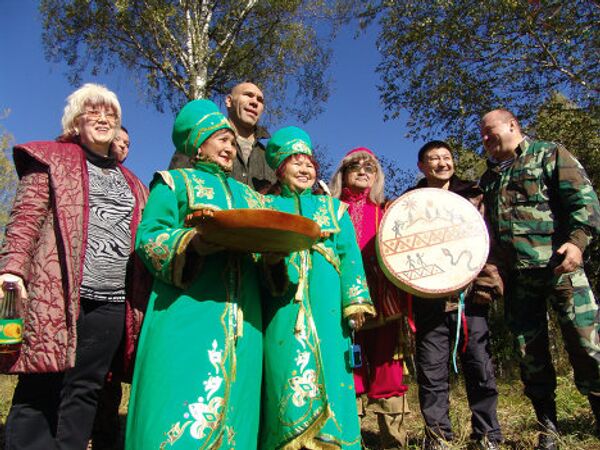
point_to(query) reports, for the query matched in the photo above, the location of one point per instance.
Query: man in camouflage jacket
(542, 212)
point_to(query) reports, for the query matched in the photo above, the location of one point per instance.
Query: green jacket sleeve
(161, 239)
(355, 293)
(577, 199)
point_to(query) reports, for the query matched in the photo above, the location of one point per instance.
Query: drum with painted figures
(432, 243)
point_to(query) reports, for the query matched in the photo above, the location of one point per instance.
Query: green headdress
(285, 142)
(196, 121)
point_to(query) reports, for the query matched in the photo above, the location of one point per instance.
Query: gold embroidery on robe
(202, 191)
(158, 252)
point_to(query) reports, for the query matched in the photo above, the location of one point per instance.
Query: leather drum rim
(409, 239)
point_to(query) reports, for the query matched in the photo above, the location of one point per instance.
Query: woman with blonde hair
(359, 182)
(376, 191)
(69, 248)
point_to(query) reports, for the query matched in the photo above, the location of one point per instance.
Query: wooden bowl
(255, 230)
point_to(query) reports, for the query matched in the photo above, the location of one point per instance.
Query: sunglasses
(357, 167)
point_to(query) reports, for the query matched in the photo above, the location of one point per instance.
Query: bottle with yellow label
(11, 325)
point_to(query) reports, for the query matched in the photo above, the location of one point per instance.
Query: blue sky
(35, 90)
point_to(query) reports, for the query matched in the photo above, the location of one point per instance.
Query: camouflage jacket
(542, 200)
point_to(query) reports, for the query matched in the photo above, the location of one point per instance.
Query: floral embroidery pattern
(321, 217)
(206, 411)
(200, 190)
(268, 202)
(301, 147)
(302, 359)
(158, 252)
(359, 288)
(204, 415)
(174, 434)
(304, 386)
(253, 199)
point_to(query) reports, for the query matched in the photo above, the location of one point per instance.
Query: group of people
(230, 349)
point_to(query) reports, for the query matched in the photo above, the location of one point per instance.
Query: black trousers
(56, 410)
(107, 427)
(436, 330)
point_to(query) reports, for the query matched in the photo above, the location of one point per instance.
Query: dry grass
(515, 414)
(514, 411)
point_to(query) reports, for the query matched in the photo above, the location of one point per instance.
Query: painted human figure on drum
(436, 321)
(359, 181)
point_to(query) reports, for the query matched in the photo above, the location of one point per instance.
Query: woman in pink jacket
(359, 181)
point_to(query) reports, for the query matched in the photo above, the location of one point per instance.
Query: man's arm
(579, 209)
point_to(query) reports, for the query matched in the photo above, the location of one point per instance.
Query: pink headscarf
(360, 149)
(364, 213)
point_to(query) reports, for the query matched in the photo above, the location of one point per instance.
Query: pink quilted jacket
(45, 245)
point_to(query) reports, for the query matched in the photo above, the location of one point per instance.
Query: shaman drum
(255, 230)
(432, 242)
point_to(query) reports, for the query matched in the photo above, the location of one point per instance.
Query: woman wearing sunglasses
(359, 182)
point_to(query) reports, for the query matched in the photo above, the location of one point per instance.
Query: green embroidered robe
(198, 369)
(308, 387)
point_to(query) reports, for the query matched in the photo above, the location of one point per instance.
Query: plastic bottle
(11, 325)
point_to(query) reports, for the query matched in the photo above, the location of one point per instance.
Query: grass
(514, 412)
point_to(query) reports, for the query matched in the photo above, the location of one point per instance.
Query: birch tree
(178, 50)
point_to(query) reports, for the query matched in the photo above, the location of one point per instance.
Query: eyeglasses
(356, 167)
(437, 159)
(93, 115)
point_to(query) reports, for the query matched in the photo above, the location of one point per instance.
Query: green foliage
(468, 164)
(8, 177)
(397, 180)
(502, 343)
(178, 50)
(447, 62)
(326, 167)
(561, 120)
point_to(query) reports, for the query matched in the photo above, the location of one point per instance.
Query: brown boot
(391, 413)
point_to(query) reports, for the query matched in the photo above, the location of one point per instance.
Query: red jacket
(45, 245)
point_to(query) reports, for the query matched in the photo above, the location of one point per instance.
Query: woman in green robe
(308, 387)
(198, 370)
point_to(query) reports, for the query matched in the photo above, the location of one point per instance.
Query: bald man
(245, 105)
(543, 212)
